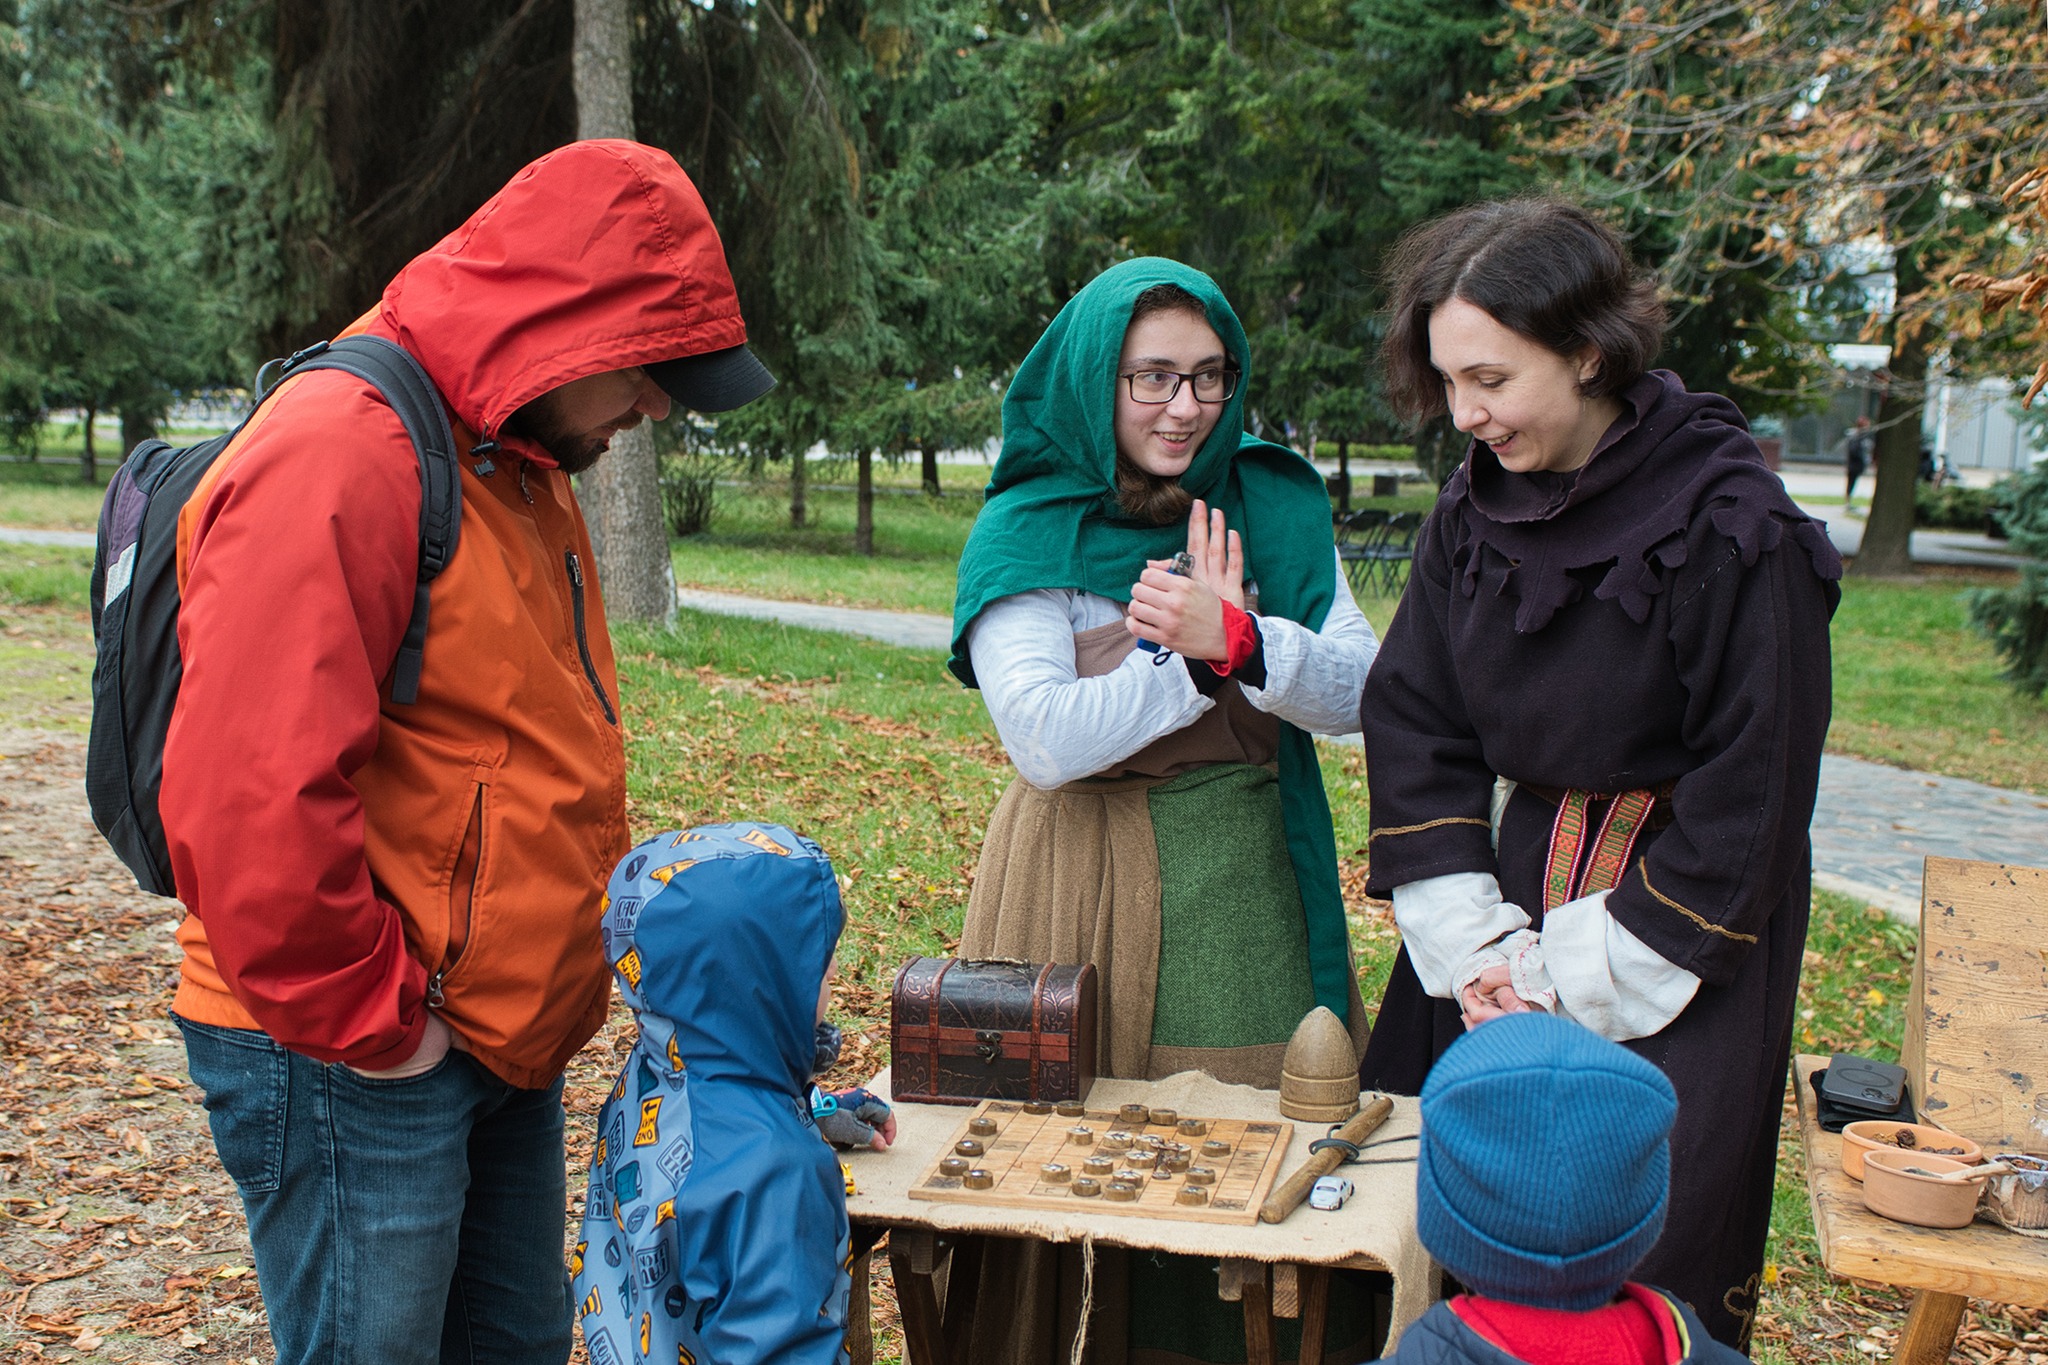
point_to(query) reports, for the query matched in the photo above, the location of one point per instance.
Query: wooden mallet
(1290, 1192)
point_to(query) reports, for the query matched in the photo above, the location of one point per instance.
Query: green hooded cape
(1052, 521)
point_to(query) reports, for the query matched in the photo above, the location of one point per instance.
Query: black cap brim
(715, 381)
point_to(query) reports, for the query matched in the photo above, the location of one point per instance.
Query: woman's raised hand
(1218, 554)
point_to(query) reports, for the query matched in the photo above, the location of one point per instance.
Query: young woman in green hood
(1168, 823)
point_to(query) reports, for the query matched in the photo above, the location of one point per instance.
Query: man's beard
(540, 423)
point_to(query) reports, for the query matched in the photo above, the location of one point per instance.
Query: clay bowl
(1890, 1190)
(1870, 1135)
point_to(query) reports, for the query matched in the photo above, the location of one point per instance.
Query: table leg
(962, 1278)
(860, 1326)
(910, 1266)
(1258, 1323)
(1315, 1311)
(1931, 1328)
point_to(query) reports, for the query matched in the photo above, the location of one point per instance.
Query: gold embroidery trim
(1706, 924)
(1430, 824)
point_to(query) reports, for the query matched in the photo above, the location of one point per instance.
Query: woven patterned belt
(1583, 861)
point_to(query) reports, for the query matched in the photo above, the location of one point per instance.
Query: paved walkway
(1871, 827)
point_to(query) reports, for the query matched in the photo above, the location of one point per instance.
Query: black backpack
(135, 596)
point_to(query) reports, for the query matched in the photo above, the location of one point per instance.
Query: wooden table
(1945, 1267)
(1273, 1270)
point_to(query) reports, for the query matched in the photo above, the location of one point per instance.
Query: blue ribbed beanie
(1545, 1163)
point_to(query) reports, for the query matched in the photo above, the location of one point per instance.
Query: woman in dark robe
(1594, 729)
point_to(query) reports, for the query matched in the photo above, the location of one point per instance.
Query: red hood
(598, 256)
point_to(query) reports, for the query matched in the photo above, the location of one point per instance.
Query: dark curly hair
(1541, 267)
(1144, 496)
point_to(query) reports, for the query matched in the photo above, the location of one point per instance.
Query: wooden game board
(1024, 1142)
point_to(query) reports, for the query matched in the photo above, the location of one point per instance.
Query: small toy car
(1329, 1193)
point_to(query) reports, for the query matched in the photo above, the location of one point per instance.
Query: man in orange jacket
(392, 947)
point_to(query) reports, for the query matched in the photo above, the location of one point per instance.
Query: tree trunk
(799, 484)
(1343, 474)
(88, 463)
(1887, 533)
(137, 426)
(621, 493)
(864, 518)
(930, 451)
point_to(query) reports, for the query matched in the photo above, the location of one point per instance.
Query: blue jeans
(397, 1222)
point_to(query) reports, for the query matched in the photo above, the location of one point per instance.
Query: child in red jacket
(1542, 1180)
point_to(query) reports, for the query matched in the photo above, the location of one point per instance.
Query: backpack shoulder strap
(412, 395)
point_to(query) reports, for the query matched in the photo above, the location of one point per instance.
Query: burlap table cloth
(1374, 1231)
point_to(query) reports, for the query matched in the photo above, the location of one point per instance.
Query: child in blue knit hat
(714, 1230)
(1544, 1170)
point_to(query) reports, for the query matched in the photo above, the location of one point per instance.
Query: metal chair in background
(1357, 533)
(1386, 557)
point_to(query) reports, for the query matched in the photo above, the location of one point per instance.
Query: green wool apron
(1200, 874)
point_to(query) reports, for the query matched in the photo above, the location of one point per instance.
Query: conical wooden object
(1319, 1074)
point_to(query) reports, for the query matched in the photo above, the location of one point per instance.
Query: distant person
(1168, 822)
(1542, 1182)
(1593, 733)
(392, 944)
(1856, 452)
(714, 1229)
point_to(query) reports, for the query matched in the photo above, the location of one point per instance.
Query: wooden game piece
(1201, 1175)
(1191, 1195)
(1122, 1191)
(1099, 1165)
(969, 1147)
(1134, 1116)
(1165, 1118)
(982, 1126)
(978, 1179)
(1081, 1135)
(1037, 1107)
(1086, 1188)
(1053, 1173)
(953, 1167)
(1173, 1162)
(1070, 1109)
(1141, 1158)
(1192, 1127)
(1116, 1140)
(1215, 1147)
(1319, 1073)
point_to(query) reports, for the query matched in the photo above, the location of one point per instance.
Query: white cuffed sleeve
(1608, 979)
(1059, 727)
(1445, 920)
(1315, 678)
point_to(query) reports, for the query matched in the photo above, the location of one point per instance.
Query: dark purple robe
(1658, 616)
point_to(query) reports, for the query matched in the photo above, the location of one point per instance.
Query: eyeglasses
(1162, 386)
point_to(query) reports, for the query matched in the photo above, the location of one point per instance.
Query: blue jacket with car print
(715, 1228)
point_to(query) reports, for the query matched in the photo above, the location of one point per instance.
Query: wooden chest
(963, 1032)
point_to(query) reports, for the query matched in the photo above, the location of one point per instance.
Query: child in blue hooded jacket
(715, 1226)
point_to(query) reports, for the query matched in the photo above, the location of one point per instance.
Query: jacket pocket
(245, 1077)
(463, 882)
(580, 611)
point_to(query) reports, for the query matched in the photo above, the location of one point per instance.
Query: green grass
(47, 494)
(44, 576)
(1917, 687)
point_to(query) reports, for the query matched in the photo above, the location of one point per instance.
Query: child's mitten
(849, 1118)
